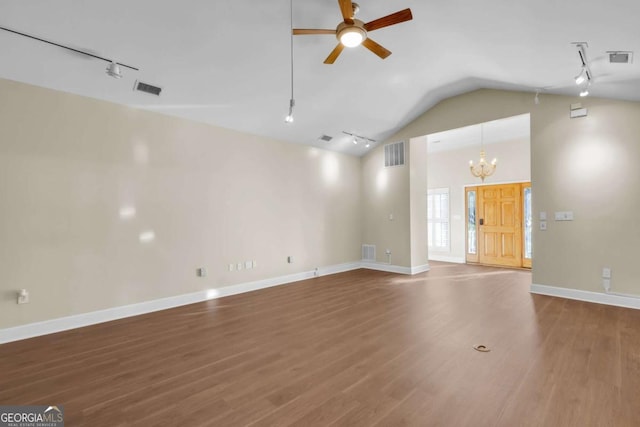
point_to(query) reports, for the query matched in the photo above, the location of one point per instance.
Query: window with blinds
(438, 219)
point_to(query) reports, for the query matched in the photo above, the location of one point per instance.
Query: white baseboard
(339, 268)
(629, 301)
(420, 269)
(389, 268)
(446, 258)
(31, 330)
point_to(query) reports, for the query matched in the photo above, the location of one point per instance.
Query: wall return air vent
(147, 88)
(369, 253)
(394, 154)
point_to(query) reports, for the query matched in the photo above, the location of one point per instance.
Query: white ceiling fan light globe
(351, 35)
(351, 38)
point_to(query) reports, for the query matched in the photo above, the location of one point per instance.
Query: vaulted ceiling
(227, 63)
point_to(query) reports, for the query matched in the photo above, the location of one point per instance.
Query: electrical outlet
(606, 284)
(543, 225)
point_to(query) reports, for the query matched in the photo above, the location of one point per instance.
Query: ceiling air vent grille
(147, 88)
(325, 138)
(394, 154)
(620, 57)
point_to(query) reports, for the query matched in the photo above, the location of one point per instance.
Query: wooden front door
(500, 225)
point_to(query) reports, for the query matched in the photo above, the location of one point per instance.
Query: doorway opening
(451, 235)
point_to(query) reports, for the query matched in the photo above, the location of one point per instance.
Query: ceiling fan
(352, 32)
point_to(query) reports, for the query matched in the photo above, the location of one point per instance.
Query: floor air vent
(394, 154)
(369, 253)
(147, 88)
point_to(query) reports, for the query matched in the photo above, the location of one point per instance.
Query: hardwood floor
(354, 349)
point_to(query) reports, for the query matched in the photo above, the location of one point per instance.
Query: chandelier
(482, 169)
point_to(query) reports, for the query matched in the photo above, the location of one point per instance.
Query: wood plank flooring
(362, 348)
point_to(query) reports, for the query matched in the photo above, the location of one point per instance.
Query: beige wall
(450, 169)
(386, 193)
(418, 190)
(212, 196)
(585, 165)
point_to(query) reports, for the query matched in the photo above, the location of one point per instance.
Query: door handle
(481, 221)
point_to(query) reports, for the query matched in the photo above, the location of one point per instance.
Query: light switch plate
(564, 216)
(582, 112)
(543, 216)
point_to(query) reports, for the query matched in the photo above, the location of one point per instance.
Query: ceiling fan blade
(334, 54)
(346, 7)
(385, 21)
(376, 48)
(306, 31)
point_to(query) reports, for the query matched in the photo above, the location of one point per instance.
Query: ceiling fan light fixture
(352, 36)
(113, 70)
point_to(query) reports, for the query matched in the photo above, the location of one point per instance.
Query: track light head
(289, 118)
(584, 92)
(581, 78)
(113, 70)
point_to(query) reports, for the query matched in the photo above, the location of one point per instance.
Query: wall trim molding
(389, 268)
(447, 258)
(60, 324)
(619, 300)
(420, 269)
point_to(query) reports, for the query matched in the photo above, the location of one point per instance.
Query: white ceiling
(227, 63)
